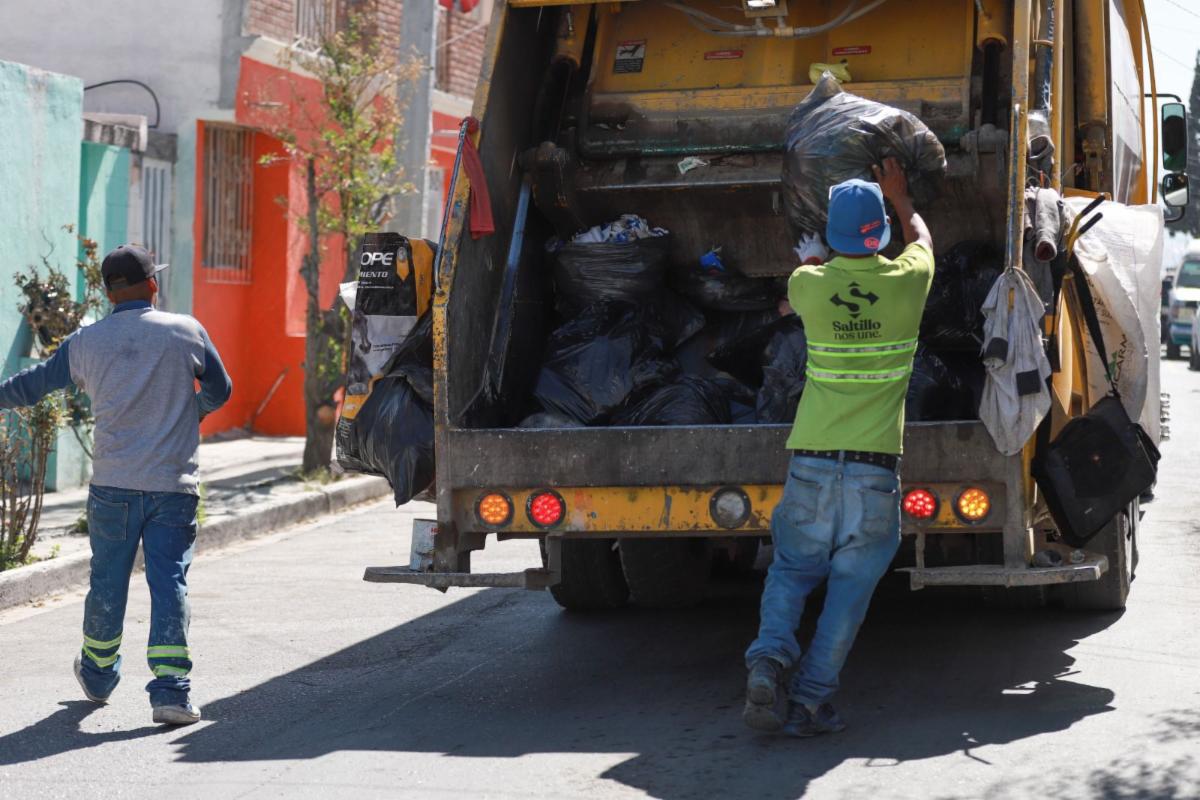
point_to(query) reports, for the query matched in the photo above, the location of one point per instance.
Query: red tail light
(920, 504)
(546, 509)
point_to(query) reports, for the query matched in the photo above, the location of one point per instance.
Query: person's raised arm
(30, 385)
(895, 188)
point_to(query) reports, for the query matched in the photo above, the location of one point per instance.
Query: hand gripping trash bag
(833, 136)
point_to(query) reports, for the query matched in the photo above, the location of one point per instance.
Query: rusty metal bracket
(534, 579)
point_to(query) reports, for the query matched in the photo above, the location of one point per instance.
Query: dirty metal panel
(691, 456)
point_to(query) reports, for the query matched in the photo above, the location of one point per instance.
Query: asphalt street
(315, 684)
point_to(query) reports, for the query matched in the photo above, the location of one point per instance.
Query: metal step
(535, 579)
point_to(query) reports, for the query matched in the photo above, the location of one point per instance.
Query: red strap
(481, 203)
(446, 4)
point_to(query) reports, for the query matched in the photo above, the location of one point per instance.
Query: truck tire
(1173, 351)
(1112, 590)
(591, 576)
(666, 572)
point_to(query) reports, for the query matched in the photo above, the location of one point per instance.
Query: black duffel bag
(1100, 462)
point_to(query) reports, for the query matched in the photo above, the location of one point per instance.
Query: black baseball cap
(128, 265)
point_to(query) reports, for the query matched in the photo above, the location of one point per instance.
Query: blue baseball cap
(858, 222)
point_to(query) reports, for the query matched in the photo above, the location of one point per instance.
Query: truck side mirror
(1174, 137)
(1176, 194)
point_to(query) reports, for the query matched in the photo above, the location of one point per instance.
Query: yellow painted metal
(1019, 138)
(992, 22)
(891, 43)
(665, 509)
(1153, 188)
(1056, 97)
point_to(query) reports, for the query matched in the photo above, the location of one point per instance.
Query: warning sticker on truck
(630, 56)
(723, 55)
(853, 50)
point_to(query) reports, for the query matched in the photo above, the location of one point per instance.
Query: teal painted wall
(40, 126)
(104, 194)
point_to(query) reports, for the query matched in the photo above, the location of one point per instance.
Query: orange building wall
(259, 327)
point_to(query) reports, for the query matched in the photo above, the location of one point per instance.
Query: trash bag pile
(833, 136)
(647, 341)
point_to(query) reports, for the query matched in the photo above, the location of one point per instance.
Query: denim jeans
(165, 525)
(838, 521)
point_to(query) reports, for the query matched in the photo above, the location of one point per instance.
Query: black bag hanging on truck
(833, 136)
(597, 361)
(391, 432)
(1100, 462)
(395, 285)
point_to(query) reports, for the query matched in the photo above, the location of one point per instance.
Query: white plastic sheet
(1122, 256)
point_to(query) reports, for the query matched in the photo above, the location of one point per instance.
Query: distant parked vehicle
(1185, 295)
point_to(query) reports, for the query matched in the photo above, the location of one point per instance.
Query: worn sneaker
(95, 698)
(182, 714)
(762, 711)
(806, 721)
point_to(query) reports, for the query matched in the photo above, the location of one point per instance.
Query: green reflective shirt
(861, 317)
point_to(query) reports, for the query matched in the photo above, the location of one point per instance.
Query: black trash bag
(953, 318)
(742, 399)
(392, 434)
(545, 419)
(833, 136)
(741, 353)
(783, 364)
(935, 393)
(687, 401)
(672, 319)
(590, 272)
(607, 356)
(726, 291)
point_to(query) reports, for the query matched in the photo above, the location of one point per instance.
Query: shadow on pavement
(60, 733)
(502, 673)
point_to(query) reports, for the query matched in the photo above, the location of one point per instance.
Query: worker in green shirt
(839, 519)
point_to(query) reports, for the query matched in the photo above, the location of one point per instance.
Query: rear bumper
(1090, 569)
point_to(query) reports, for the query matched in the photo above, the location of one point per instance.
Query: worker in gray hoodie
(139, 366)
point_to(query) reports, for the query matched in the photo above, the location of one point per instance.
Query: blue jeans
(838, 521)
(165, 524)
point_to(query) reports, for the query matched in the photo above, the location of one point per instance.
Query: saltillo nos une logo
(855, 292)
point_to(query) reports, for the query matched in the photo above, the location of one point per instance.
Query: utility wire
(1184, 8)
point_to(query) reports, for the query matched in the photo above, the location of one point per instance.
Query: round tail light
(974, 505)
(729, 507)
(546, 509)
(920, 504)
(494, 508)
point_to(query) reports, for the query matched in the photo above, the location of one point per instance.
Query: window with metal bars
(228, 203)
(315, 20)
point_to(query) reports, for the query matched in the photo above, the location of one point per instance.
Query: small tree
(344, 141)
(27, 436)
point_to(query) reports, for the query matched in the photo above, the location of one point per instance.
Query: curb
(27, 584)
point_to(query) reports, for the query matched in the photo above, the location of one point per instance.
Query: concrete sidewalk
(251, 487)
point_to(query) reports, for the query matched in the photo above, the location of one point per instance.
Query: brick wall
(277, 18)
(273, 18)
(458, 62)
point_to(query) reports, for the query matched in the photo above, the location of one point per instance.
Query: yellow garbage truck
(675, 110)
